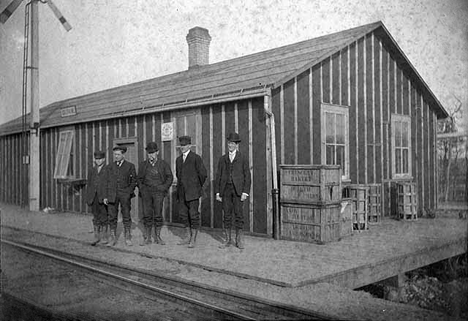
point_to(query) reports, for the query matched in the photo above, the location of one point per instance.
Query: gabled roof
(243, 77)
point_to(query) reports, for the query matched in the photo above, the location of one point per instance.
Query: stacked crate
(310, 198)
(359, 197)
(375, 203)
(406, 201)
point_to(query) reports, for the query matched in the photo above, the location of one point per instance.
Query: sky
(117, 42)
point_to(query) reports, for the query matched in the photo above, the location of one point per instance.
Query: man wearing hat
(232, 187)
(154, 180)
(191, 175)
(95, 194)
(121, 185)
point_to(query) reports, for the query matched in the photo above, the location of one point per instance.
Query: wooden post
(34, 164)
(274, 170)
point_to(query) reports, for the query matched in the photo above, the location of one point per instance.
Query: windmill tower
(31, 36)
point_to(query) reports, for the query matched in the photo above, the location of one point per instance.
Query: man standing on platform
(95, 194)
(154, 180)
(191, 175)
(232, 187)
(120, 190)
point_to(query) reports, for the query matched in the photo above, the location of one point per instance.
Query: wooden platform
(385, 250)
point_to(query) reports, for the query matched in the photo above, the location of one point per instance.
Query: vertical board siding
(316, 102)
(378, 103)
(353, 138)
(218, 142)
(344, 72)
(206, 209)
(303, 119)
(369, 111)
(288, 123)
(276, 108)
(361, 121)
(326, 78)
(335, 85)
(243, 111)
(259, 170)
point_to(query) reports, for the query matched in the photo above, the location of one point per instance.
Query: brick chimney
(198, 40)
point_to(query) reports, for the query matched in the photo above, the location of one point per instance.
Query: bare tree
(450, 148)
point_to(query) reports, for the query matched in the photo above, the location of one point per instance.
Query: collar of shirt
(232, 155)
(152, 161)
(119, 163)
(184, 155)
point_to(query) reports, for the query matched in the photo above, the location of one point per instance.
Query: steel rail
(133, 282)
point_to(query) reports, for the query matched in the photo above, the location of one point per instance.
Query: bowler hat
(99, 154)
(121, 148)
(152, 147)
(234, 137)
(185, 140)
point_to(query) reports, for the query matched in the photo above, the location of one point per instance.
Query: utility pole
(34, 163)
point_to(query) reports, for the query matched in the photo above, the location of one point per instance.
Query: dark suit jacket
(129, 177)
(240, 174)
(191, 176)
(96, 184)
(165, 175)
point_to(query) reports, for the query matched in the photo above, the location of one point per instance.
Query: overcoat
(191, 176)
(96, 184)
(240, 174)
(128, 173)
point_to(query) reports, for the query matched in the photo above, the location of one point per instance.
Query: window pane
(397, 161)
(330, 128)
(330, 155)
(397, 134)
(340, 157)
(340, 129)
(404, 134)
(405, 161)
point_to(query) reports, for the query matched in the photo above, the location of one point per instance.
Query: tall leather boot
(193, 240)
(96, 235)
(239, 239)
(128, 237)
(187, 238)
(157, 237)
(146, 236)
(227, 238)
(113, 237)
(104, 237)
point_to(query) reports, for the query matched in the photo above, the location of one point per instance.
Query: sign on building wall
(167, 131)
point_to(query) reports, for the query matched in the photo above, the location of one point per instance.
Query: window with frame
(335, 137)
(401, 145)
(63, 160)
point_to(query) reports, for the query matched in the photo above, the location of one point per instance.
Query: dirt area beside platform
(324, 298)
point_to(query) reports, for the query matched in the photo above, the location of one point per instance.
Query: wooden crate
(407, 201)
(311, 223)
(347, 207)
(374, 214)
(359, 197)
(307, 184)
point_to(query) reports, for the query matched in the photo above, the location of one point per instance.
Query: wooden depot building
(350, 98)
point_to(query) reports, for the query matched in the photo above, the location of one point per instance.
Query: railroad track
(212, 302)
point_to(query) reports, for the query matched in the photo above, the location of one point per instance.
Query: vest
(152, 177)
